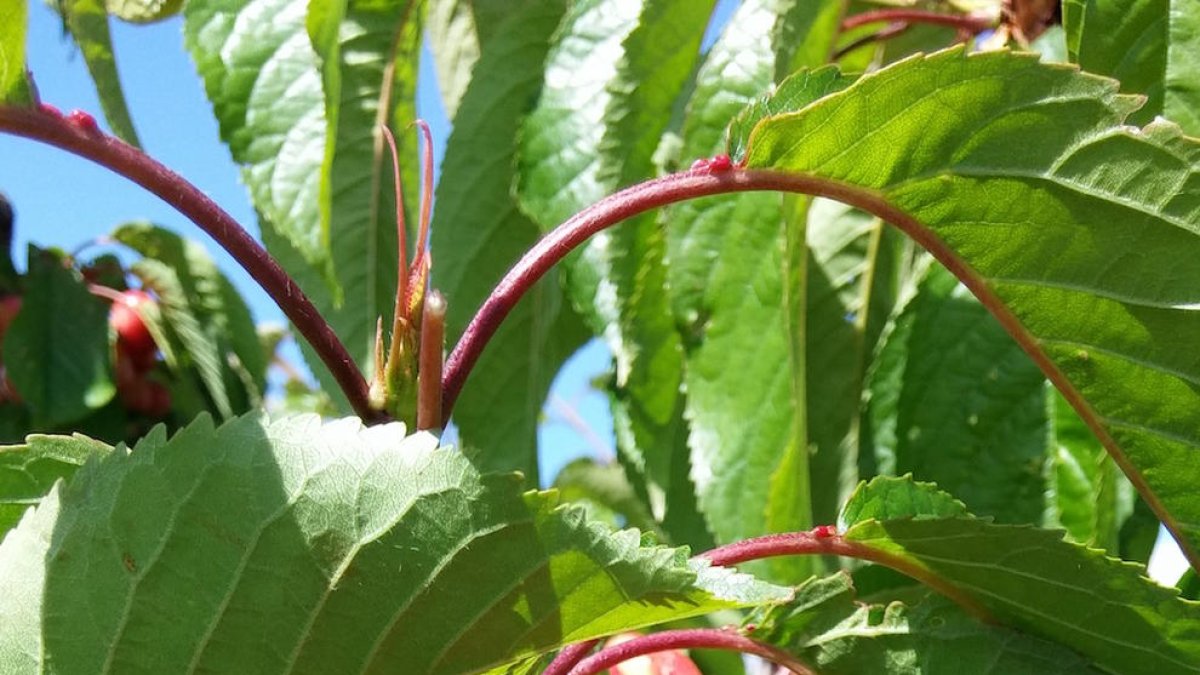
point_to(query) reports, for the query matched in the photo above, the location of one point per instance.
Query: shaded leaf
(604, 486)
(27, 472)
(1104, 608)
(357, 543)
(829, 628)
(56, 350)
(1148, 45)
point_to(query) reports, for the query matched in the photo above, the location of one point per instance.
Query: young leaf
(87, 21)
(1027, 231)
(14, 82)
(27, 472)
(827, 627)
(302, 546)
(1148, 46)
(479, 232)
(56, 350)
(1031, 579)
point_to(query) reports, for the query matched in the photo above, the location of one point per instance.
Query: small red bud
(83, 121)
(824, 531)
(720, 163)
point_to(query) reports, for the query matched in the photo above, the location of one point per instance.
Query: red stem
(569, 657)
(679, 187)
(810, 543)
(691, 638)
(189, 200)
(964, 22)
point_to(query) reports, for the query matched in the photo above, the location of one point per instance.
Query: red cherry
(10, 306)
(133, 337)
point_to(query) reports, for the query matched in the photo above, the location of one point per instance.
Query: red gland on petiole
(824, 531)
(83, 121)
(715, 164)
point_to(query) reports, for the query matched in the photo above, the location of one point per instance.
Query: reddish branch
(693, 638)
(89, 142)
(963, 22)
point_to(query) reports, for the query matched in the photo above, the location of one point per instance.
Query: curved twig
(689, 638)
(965, 22)
(569, 657)
(87, 141)
(705, 183)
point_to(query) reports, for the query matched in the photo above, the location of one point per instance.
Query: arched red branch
(703, 182)
(965, 22)
(692, 638)
(47, 126)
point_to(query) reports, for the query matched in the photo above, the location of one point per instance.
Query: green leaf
(1148, 46)
(369, 54)
(744, 375)
(359, 544)
(827, 627)
(1104, 608)
(478, 233)
(604, 486)
(56, 350)
(27, 472)
(1028, 231)
(87, 22)
(456, 31)
(263, 80)
(792, 94)
(143, 11)
(854, 273)
(14, 82)
(588, 137)
(969, 405)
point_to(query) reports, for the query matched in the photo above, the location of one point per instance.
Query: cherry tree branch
(79, 135)
(965, 22)
(569, 657)
(691, 638)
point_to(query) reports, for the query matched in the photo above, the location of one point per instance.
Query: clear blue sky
(67, 201)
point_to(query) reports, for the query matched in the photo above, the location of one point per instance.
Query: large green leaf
(827, 627)
(969, 407)
(588, 137)
(27, 472)
(928, 142)
(729, 259)
(263, 79)
(1029, 578)
(369, 56)
(87, 21)
(479, 232)
(456, 30)
(1149, 45)
(854, 272)
(56, 350)
(302, 546)
(14, 83)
